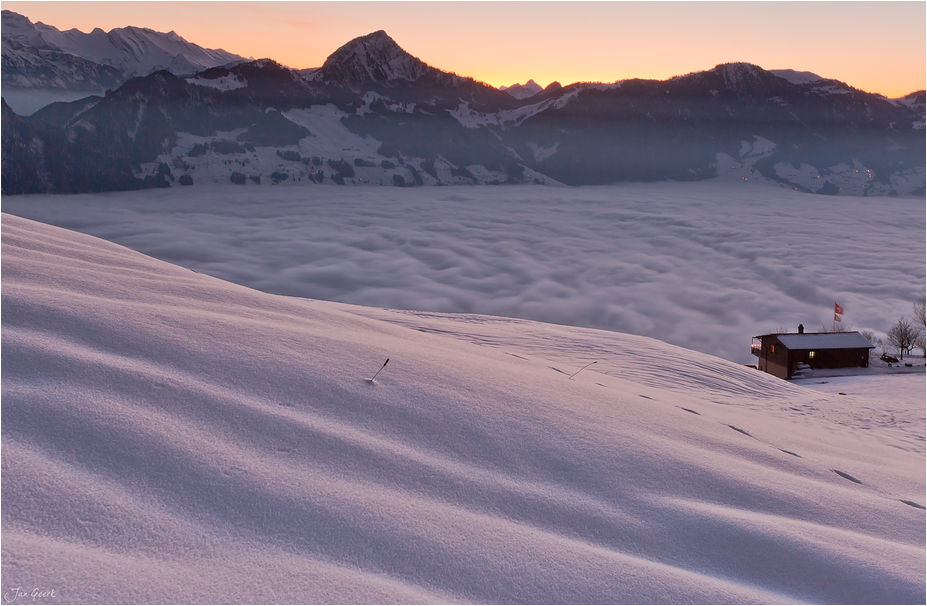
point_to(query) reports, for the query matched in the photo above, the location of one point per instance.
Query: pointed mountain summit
(376, 62)
(374, 58)
(523, 91)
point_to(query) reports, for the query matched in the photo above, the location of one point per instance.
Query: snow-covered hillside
(704, 266)
(171, 437)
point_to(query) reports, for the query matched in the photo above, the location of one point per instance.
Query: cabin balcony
(756, 346)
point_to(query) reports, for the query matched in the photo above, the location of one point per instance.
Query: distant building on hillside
(781, 354)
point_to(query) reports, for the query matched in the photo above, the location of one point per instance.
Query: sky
(875, 46)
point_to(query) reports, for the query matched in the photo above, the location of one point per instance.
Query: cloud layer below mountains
(703, 266)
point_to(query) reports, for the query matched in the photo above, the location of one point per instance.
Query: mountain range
(523, 91)
(374, 114)
(39, 57)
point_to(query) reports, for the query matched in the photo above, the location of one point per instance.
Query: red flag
(837, 318)
(838, 309)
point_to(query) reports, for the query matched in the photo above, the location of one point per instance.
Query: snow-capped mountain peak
(16, 24)
(372, 58)
(523, 91)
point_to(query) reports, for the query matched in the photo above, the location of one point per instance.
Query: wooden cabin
(781, 354)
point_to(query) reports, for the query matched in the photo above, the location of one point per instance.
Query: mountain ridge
(41, 56)
(403, 122)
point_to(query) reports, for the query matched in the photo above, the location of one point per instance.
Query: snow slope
(170, 437)
(704, 266)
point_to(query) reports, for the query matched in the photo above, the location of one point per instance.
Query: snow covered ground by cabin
(705, 266)
(172, 437)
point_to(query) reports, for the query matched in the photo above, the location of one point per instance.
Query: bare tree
(903, 336)
(919, 310)
(920, 324)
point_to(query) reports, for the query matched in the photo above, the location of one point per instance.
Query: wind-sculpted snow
(702, 266)
(170, 437)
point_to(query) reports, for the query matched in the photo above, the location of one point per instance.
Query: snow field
(703, 266)
(168, 436)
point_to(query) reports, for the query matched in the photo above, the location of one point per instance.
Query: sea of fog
(704, 266)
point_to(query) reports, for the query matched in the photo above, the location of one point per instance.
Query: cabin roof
(823, 340)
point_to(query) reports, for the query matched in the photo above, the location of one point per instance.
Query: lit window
(772, 349)
(810, 355)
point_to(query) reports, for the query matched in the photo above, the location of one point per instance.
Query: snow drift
(170, 437)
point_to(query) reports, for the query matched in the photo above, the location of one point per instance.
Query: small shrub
(198, 150)
(387, 165)
(278, 176)
(238, 178)
(364, 163)
(185, 180)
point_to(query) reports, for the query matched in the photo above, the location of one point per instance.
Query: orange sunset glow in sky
(875, 46)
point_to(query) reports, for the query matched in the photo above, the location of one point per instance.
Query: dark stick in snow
(582, 369)
(370, 380)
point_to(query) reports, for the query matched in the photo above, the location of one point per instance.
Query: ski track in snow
(171, 437)
(703, 266)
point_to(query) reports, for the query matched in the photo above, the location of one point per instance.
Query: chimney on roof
(801, 329)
